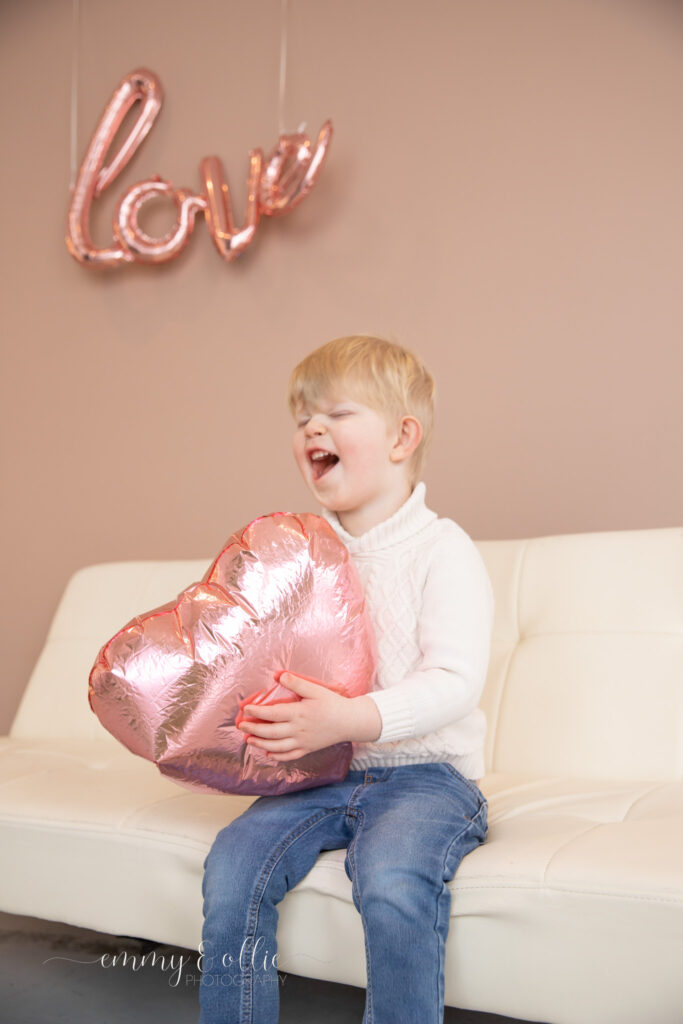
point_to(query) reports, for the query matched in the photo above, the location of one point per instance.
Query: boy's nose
(315, 426)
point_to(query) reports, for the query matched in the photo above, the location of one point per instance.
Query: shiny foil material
(282, 595)
(275, 186)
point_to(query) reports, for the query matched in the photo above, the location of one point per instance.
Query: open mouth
(322, 463)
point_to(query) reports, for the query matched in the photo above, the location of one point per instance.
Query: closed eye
(333, 415)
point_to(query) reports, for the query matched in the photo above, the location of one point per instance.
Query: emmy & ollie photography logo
(261, 965)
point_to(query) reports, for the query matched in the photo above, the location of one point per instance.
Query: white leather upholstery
(570, 913)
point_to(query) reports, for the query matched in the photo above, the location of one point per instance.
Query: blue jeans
(405, 828)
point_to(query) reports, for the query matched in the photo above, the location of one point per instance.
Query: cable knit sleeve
(454, 636)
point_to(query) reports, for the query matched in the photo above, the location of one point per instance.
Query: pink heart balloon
(282, 595)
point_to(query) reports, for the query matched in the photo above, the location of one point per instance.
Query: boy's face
(353, 465)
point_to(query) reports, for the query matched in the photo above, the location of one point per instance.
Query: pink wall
(503, 194)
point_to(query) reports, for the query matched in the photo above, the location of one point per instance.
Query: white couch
(570, 913)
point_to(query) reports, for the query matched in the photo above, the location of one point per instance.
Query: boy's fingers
(256, 730)
(265, 729)
(300, 684)
(270, 711)
(278, 745)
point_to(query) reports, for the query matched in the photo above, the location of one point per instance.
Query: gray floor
(52, 973)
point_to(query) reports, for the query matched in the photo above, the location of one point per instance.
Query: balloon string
(283, 63)
(75, 48)
(283, 68)
(75, 39)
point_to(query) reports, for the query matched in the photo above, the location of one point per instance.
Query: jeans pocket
(478, 810)
(471, 785)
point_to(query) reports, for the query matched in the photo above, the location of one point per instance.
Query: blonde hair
(376, 372)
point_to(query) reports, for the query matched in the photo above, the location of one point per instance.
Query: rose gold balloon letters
(273, 187)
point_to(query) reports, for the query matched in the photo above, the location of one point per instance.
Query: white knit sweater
(431, 603)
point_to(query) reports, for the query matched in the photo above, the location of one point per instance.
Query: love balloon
(274, 187)
(172, 685)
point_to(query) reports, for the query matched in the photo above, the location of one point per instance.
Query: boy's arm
(366, 720)
(455, 624)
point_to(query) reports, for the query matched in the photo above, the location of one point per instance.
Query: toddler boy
(408, 809)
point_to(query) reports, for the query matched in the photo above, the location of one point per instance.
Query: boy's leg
(252, 864)
(416, 823)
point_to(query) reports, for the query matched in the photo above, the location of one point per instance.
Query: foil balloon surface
(274, 186)
(171, 685)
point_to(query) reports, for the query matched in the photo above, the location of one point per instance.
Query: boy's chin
(319, 493)
(328, 501)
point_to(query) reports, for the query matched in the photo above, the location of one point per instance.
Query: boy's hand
(320, 719)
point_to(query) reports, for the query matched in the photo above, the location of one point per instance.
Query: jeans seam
(468, 823)
(458, 775)
(257, 897)
(354, 885)
(483, 810)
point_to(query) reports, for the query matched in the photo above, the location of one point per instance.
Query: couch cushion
(577, 880)
(97, 601)
(586, 670)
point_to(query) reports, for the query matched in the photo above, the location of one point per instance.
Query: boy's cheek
(301, 461)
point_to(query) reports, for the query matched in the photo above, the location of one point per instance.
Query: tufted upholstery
(570, 913)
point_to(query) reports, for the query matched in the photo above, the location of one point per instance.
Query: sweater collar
(413, 515)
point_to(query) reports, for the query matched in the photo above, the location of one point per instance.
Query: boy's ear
(408, 438)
